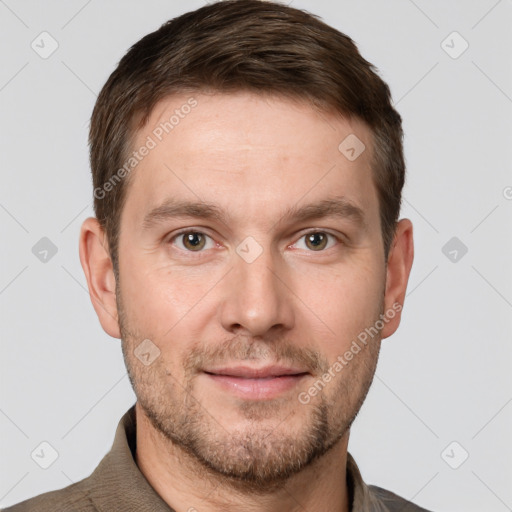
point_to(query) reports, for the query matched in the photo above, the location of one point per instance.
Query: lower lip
(262, 388)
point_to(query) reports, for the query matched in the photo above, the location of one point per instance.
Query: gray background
(443, 377)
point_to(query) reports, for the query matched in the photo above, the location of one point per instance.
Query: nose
(256, 297)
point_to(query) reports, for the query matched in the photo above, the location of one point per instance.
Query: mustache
(243, 349)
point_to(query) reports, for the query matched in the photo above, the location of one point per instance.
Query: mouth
(256, 383)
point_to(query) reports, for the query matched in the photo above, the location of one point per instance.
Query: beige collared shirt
(117, 485)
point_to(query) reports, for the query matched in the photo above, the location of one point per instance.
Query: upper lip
(255, 373)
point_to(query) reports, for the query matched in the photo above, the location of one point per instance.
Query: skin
(202, 446)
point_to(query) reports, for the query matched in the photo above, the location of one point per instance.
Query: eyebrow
(339, 207)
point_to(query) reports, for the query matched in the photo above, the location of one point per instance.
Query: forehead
(249, 119)
(249, 152)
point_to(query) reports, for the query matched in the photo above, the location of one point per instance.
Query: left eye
(317, 240)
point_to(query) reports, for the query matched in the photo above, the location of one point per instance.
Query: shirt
(117, 485)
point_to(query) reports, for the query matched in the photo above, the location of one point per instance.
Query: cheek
(340, 304)
(163, 304)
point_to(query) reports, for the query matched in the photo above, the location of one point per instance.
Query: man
(247, 166)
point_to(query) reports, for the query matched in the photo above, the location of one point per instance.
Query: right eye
(191, 241)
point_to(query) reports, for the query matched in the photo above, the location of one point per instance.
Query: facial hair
(256, 458)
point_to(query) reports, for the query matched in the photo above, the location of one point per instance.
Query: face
(251, 258)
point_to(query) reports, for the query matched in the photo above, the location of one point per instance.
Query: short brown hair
(237, 45)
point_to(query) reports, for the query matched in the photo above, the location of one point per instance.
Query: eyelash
(188, 230)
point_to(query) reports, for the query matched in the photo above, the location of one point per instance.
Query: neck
(184, 484)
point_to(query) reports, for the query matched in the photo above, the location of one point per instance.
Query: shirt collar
(361, 497)
(117, 484)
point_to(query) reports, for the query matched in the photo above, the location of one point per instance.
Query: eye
(192, 241)
(317, 241)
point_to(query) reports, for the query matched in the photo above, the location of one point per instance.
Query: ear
(399, 265)
(99, 272)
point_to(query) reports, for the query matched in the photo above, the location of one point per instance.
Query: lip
(264, 372)
(256, 383)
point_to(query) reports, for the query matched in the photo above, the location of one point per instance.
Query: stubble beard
(256, 459)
